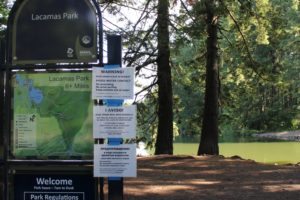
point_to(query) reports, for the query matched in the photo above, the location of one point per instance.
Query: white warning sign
(114, 122)
(115, 161)
(113, 83)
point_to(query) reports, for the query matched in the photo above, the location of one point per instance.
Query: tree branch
(148, 88)
(133, 8)
(230, 43)
(141, 16)
(114, 25)
(244, 40)
(187, 11)
(142, 42)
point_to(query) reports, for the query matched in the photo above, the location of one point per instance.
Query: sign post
(114, 121)
(48, 142)
(2, 163)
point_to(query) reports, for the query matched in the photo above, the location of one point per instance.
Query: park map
(52, 114)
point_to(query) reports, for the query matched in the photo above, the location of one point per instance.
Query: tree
(164, 140)
(260, 95)
(209, 133)
(257, 56)
(147, 47)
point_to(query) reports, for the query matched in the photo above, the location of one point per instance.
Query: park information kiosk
(48, 141)
(46, 73)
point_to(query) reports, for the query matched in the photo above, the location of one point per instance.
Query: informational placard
(25, 131)
(54, 31)
(53, 187)
(52, 114)
(113, 83)
(114, 122)
(115, 161)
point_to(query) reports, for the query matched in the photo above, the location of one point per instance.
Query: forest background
(256, 67)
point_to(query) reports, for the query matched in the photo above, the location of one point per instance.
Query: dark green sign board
(54, 187)
(54, 31)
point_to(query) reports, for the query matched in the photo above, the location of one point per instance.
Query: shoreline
(285, 135)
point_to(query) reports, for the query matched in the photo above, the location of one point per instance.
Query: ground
(211, 178)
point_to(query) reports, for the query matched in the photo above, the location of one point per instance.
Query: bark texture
(164, 141)
(209, 134)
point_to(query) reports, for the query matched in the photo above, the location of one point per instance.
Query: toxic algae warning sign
(52, 114)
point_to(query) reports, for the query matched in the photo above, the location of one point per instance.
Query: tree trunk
(209, 135)
(164, 140)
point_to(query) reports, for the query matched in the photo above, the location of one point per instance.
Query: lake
(266, 152)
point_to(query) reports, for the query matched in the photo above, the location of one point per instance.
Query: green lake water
(266, 152)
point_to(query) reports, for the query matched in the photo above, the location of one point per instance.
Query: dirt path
(211, 178)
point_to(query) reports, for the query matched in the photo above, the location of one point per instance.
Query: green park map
(52, 114)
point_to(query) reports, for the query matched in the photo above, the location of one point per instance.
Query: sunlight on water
(266, 152)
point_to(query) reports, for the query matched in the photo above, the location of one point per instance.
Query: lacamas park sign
(49, 108)
(49, 136)
(55, 31)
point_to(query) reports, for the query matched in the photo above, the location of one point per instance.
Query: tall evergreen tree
(164, 141)
(209, 133)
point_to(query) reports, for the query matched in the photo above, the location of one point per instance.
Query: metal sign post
(113, 121)
(114, 44)
(2, 163)
(115, 184)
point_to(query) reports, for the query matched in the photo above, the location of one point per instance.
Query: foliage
(259, 69)
(258, 57)
(3, 18)
(188, 93)
(147, 121)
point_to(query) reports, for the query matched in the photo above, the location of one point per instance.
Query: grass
(265, 152)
